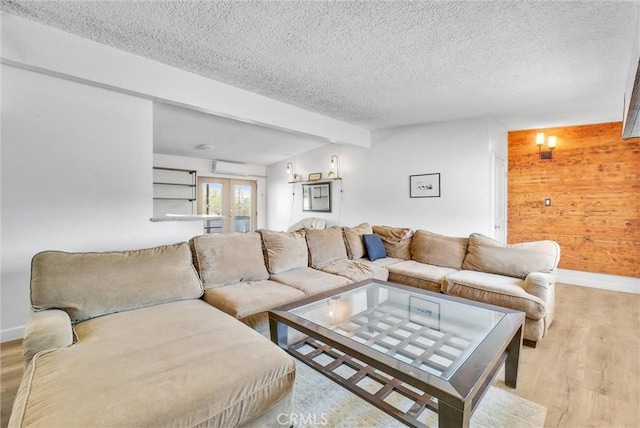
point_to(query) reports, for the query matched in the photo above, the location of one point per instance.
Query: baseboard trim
(625, 284)
(12, 334)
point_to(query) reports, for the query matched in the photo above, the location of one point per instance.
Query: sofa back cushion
(353, 240)
(228, 258)
(88, 285)
(396, 240)
(284, 251)
(325, 246)
(439, 250)
(517, 260)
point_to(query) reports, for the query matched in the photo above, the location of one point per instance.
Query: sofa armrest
(45, 330)
(543, 286)
(540, 284)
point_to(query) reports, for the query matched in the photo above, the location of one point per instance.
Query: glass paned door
(243, 206)
(232, 202)
(211, 201)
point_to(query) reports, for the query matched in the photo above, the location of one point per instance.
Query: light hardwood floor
(586, 371)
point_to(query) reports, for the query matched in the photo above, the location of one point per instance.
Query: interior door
(232, 202)
(500, 199)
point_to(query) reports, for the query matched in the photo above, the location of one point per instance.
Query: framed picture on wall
(424, 185)
(424, 312)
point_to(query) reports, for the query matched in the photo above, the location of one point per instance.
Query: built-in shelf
(174, 191)
(173, 184)
(322, 180)
(185, 217)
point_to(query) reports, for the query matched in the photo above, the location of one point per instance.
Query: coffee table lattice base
(392, 332)
(366, 382)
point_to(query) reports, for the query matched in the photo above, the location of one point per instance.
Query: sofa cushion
(224, 259)
(387, 261)
(518, 260)
(421, 271)
(500, 290)
(375, 247)
(88, 285)
(311, 281)
(177, 364)
(325, 246)
(284, 251)
(356, 270)
(309, 223)
(396, 240)
(438, 250)
(353, 240)
(245, 299)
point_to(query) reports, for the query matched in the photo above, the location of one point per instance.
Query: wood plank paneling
(594, 185)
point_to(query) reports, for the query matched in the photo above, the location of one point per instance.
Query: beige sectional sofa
(310, 261)
(142, 338)
(123, 339)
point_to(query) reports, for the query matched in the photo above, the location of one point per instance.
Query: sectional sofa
(246, 275)
(142, 338)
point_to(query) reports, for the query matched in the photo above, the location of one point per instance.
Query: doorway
(232, 202)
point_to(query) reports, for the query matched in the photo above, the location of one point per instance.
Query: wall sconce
(289, 168)
(551, 143)
(334, 167)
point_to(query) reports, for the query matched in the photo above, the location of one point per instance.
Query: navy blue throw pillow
(374, 246)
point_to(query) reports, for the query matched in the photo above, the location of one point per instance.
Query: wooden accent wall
(594, 185)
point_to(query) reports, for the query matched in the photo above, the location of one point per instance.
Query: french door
(232, 202)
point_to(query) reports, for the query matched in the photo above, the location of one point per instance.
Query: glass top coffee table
(407, 351)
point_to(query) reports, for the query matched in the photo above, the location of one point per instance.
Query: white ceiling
(178, 131)
(380, 64)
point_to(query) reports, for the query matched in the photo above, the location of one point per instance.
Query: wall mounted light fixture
(289, 168)
(334, 167)
(551, 144)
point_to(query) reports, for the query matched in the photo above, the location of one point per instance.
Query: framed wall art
(424, 312)
(424, 186)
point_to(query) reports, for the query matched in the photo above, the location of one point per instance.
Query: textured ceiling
(379, 64)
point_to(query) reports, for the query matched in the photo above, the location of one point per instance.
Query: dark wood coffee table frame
(454, 399)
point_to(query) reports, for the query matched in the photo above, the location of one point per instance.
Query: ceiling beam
(36, 47)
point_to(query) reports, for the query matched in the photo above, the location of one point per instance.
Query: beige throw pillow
(284, 251)
(517, 260)
(353, 240)
(396, 240)
(439, 250)
(325, 246)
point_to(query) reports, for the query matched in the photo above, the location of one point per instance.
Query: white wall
(76, 176)
(203, 167)
(376, 181)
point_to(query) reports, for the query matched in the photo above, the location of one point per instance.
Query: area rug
(320, 402)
